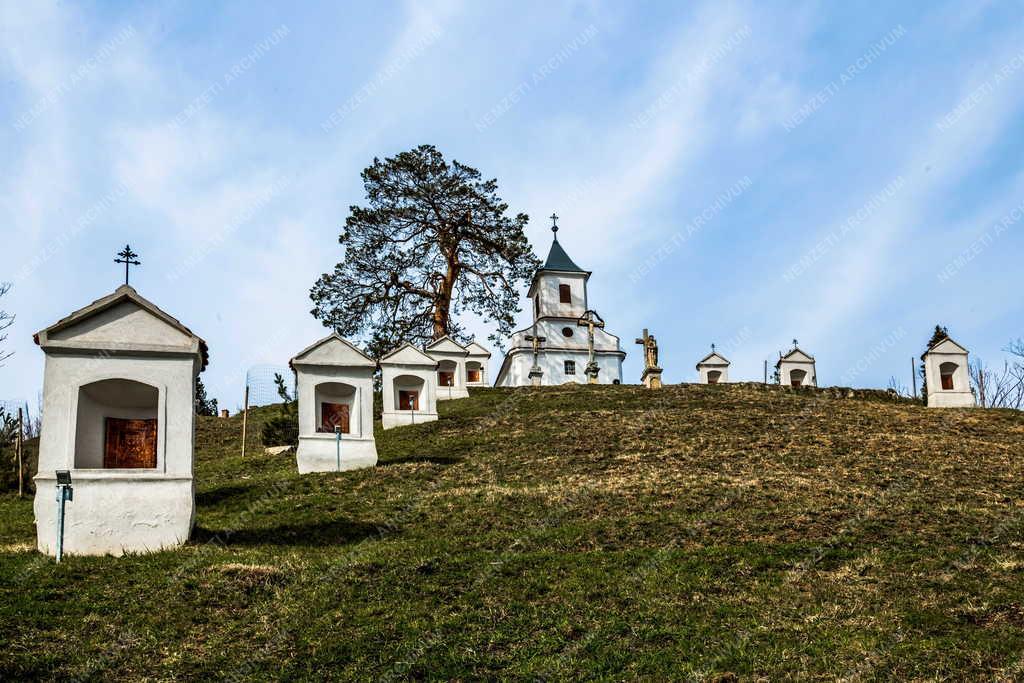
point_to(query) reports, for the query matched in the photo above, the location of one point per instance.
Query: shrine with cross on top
(119, 387)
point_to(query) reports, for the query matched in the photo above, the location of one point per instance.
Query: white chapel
(555, 349)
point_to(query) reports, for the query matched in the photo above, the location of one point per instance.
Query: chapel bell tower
(559, 288)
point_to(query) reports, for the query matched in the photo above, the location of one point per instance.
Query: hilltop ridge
(569, 532)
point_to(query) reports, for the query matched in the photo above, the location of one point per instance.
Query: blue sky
(737, 173)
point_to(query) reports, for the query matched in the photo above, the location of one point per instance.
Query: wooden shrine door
(445, 378)
(333, 415)
(129, 444)
(408, 400)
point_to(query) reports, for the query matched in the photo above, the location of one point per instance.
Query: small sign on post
(337, 436)
(64, 493)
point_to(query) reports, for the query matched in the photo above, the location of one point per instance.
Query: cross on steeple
(712, 348)
(554, 223)
(128, 259)
(795, 344)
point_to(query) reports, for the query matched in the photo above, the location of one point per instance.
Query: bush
(280, 431)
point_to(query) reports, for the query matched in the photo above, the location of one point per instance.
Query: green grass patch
(696, 532)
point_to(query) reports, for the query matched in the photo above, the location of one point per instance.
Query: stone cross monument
(536, 373)
(651, 376)
(590, 320)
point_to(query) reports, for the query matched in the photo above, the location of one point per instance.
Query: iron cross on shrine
(128, 259)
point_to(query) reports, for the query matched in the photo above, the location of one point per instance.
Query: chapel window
(564, 294)
(570, 367)
(566, 331)
(446, 379)
(473, 375)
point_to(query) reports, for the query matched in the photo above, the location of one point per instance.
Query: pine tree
(938, 335)
(204, 405)
(434, 240)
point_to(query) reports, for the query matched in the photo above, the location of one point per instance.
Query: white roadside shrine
(797, 369)
(334, 387)
(409, 387)
(450, 357)
(477, 371)
(713, 368)
(946, 377)
(119, 414)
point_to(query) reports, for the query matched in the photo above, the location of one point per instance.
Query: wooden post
(766, 372)
(245, 417)
(19, 446)
(913, 376)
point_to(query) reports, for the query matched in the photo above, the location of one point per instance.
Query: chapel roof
(797, 351)
(559, 260)
(125, 293)
(445, 344)
(477, 349)
(407, 354)
(356, 356)
(707, 360)
(945, 340)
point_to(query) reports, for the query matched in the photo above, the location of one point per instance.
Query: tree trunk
(443, 305)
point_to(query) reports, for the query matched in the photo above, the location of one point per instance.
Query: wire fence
(262, 388)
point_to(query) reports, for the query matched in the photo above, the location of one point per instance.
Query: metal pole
(19, 446)
(245, 417)
(913, 375)
(766, 372)
(60, 521)
(337, 433)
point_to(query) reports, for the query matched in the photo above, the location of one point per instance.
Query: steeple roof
(559, 260)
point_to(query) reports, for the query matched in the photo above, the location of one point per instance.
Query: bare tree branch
(6, 320)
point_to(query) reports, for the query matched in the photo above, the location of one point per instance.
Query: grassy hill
(696, 532)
